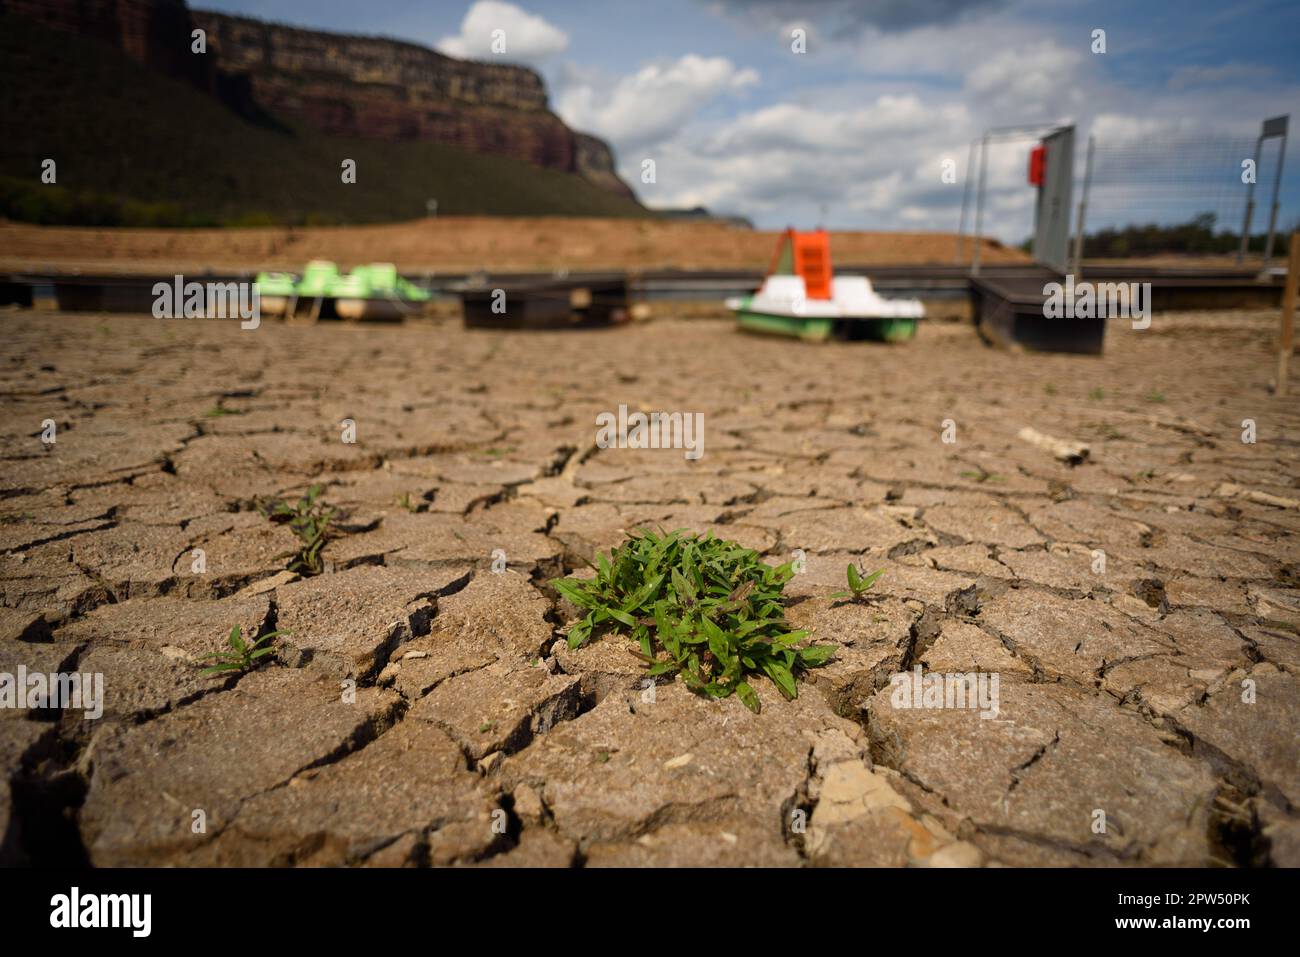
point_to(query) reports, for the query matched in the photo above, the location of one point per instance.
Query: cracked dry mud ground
(1120, 691)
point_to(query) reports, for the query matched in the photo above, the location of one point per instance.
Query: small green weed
(243, 654)
(404, 500)
(708, 609)
(982, 476)
(1155, 395)
(858, 583)
(309, 519)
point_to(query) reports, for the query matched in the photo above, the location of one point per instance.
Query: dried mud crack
(1141, 609)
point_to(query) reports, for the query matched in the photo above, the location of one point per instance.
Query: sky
(858, 128)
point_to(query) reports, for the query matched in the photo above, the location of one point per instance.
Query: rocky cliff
(340, 84)
(153, 32)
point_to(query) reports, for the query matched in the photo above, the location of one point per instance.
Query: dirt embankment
(457, 244)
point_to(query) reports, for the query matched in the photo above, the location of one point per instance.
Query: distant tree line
(1197, 237)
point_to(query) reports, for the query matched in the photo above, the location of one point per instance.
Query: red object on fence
(1037, 162)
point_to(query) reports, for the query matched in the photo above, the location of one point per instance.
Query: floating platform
(558, 303)
(118, 293)
(1009, 312)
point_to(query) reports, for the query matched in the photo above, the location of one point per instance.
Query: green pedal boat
(801, 298)
(853, 312)
(370, 293)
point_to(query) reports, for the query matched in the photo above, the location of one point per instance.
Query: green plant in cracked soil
(309, 519)
(702, 607)
(243, 656)
(859, 583)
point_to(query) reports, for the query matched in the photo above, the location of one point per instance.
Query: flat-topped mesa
(386, 89)
(285, 58)
(342, 85)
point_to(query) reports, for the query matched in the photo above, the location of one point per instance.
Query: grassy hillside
(136, 148)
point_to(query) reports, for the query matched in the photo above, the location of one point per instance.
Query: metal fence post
(1083, 212)
(965, 199)
(979, 205)
(1278, 125)
(1286, 339)
(1271, 128)
(1250, 203)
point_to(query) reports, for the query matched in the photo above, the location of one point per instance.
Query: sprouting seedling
(404, 500)
(981, 476)
(243, 654)
(858, 583)
(309, 519)
(709, 610)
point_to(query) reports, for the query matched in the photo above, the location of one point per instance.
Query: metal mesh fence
(1174, 194)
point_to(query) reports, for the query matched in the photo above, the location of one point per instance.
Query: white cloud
(867, 153)
(649, 105)
(1037, 82)
(858, 165)
(942, 49)
(785, 125)
(528, 38)
(866, 150)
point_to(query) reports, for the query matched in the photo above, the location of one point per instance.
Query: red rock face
(342, 85)
(244, 45)
(383, 89)
(340, 108)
